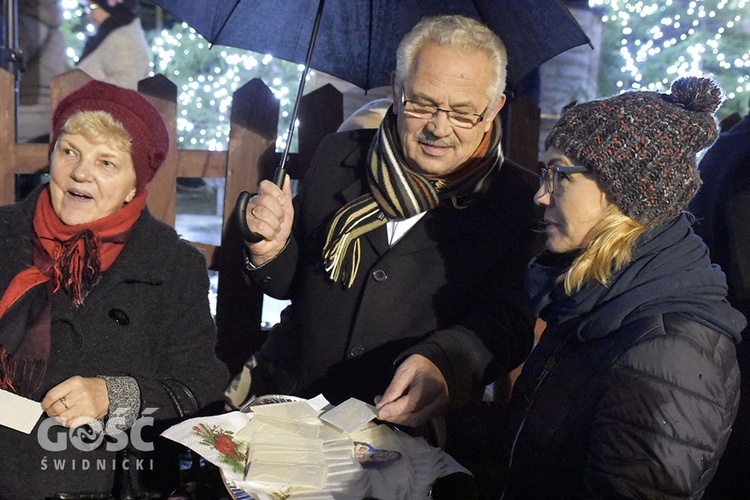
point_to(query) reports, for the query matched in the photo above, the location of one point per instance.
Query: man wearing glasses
(405, 251)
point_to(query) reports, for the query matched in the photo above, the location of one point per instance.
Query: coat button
(265, 279)
(357, 351)
(379, 275)
(119, 316)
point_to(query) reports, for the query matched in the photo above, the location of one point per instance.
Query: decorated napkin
(289, 450)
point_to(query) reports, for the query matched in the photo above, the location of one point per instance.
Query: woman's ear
(131, 195)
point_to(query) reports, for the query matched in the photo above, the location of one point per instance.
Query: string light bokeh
(206, 78)
(647, 45)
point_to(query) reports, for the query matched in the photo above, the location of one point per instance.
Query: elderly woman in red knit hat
(104, 314)
(633, 387)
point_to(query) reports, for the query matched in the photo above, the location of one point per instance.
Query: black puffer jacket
(633, 388)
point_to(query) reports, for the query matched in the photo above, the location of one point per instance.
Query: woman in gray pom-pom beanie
(634, 385)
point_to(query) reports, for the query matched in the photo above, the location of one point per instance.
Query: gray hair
(458, 32)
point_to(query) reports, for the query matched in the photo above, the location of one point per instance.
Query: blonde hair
(608, 249)
(98, 126)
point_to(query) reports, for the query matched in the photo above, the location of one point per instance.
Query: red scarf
(71, 258)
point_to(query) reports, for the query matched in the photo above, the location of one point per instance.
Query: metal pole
(278, 177)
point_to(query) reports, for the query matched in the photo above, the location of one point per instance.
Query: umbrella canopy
(357, 39)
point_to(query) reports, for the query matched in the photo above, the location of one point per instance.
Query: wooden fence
(249, 158)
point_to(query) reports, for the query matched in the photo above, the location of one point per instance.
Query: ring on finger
(64, 403)
(252, 211)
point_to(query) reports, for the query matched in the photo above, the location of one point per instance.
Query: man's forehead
(442, 67)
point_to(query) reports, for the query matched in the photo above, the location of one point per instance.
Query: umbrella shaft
(279, 174)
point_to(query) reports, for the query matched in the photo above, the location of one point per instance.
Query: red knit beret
(642, 145)
(141, 120)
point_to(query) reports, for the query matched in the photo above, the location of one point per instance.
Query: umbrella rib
(226, 20)
(572, 19)
(369, 46)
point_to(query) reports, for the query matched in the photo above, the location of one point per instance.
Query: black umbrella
(356, 40)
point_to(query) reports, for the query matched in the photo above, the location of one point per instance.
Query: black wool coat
(451, 289)
(160, 285)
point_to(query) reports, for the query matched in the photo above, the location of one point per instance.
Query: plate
(237, 493)
(268, 399)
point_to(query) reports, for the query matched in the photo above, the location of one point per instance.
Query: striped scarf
(397, 192)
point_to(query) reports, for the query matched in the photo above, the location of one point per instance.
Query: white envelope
(19, 413)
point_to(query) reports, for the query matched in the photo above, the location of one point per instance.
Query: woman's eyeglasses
(550, 177)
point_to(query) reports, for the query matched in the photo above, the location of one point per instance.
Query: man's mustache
(429, 139)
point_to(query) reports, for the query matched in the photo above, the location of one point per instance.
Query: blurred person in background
(722, 211)
(118, 52)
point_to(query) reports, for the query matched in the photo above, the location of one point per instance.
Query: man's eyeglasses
(424, 111)
(88, 7)
(550, 177)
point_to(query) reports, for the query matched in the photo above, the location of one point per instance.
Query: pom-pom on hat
(141, 120)
(642, 146)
